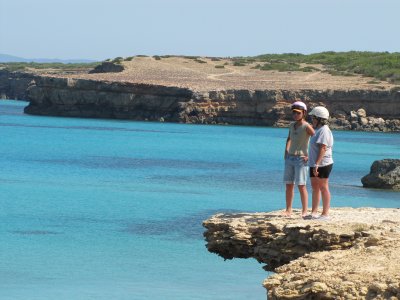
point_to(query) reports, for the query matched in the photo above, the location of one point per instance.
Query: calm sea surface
(108, 209)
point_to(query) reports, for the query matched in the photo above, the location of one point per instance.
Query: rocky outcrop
(107, 67)
(354, 255)
(384, 174)
(103, 99)
(65, 96)
(358, 120)
(99, 99)
(14, 85)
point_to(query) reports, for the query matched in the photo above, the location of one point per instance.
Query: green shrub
(334, 72)
(309, 69)
(240, 61)
(117, 60)
(20, 66)
(200, 61)
(381, 65)
(281, 67)
(156, 57)
(129, 58)
(238, 64)
(219, 66)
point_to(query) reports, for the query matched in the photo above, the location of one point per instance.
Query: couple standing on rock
(308, 148)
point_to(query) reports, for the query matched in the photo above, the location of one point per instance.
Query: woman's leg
(326, 196)
(316, 194)
(304, 199)
(289, 198)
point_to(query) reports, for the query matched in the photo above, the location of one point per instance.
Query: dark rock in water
(107, 67)
(384, 174)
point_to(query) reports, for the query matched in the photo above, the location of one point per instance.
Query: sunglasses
(296, 112)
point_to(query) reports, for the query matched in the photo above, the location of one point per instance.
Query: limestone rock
(99, 99)
(142, 91)
(353, 115)
(354, 255)
(13, 85)
(384, 174)
(361, 113)
(363, 121)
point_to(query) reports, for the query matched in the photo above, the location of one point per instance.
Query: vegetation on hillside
(22, 66)
(380, 65)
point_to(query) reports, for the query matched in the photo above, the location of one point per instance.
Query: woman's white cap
(298, 106)
(320, 112)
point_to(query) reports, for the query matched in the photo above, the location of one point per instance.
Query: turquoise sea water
(109, 209)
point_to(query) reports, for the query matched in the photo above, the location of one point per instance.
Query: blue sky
(100, 29)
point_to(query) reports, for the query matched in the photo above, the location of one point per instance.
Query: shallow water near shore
(110, 209)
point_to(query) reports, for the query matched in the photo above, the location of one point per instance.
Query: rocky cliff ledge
(126, 100)
(354, 255)
(103, 99)
(14, 85)
(207, 91)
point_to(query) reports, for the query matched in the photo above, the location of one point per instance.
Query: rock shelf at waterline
(353, 255)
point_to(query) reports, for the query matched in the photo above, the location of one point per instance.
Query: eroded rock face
(351, 256)
(384, 174)
(14, 85)
(99, 99)
(102, 99)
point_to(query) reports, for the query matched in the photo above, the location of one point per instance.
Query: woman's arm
(321, 153)
(287, 146)
(310, 130)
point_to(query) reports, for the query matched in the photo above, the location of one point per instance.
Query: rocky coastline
(105, 95)
(354, 255)
(123, 100)
(14, 85)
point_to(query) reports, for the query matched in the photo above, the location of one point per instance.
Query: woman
(320, 162)
(296, 156)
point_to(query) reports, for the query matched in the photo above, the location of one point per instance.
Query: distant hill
(5, 58)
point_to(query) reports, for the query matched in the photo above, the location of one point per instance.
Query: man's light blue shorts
(296, 170)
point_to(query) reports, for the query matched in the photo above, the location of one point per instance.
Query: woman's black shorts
(323, 172)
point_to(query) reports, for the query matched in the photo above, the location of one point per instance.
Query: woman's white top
(323, 135)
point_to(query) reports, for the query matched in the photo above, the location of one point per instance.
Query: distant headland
(361, 89)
